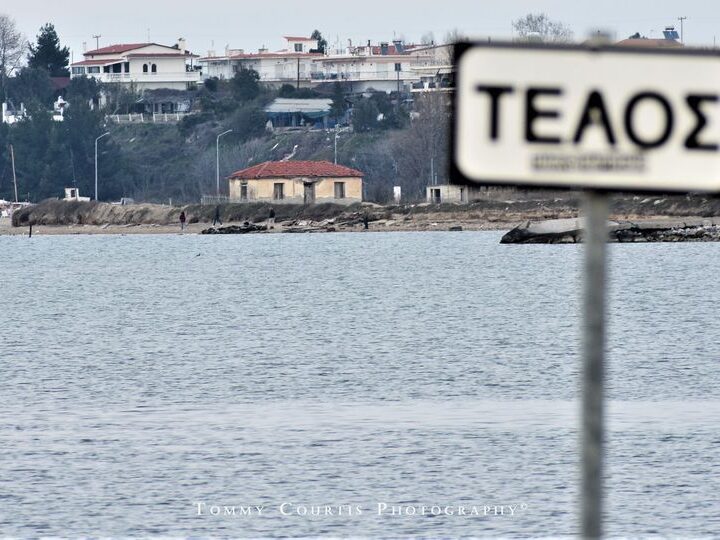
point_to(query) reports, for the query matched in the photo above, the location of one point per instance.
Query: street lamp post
(338, 131)
(96, 162)
(217, 161)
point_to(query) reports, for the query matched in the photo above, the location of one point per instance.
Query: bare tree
(428, 38)
(539, 25)
(12, 48)
(451, 38)
(421, 152)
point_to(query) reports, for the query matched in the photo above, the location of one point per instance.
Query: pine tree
(47, 53)
(322, 42)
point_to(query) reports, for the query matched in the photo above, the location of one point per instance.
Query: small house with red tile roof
(145, 66)
(297, 182)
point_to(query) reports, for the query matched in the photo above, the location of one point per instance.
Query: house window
(243, 192)
(145, 68)
(94, 69)
(78, 71)
(298, 47)
(339, 190)
(126, 67)
(154, 68)
(279, 192)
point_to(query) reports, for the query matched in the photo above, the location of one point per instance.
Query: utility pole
(12, 158)
(97, 41)
(217, 161)
(96, 162)
(682, 33)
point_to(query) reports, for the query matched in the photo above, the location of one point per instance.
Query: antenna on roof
(97, 41)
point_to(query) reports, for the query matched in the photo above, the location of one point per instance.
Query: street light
(217, 161)
(338, 131)
(96, 165)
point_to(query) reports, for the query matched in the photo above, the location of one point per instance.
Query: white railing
(180, 76)
(154, 118)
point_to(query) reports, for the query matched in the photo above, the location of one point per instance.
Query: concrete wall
(294, 190)
(447, 193)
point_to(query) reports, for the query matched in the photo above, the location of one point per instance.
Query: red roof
(297, 169)
(291, 38)
(119, 48)
(60, 83)
(95, 62)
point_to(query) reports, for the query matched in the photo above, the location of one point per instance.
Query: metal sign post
(593, 368)
(599, 118)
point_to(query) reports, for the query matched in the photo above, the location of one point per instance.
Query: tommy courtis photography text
(351, 510)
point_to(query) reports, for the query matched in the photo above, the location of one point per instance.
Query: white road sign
(608, 118)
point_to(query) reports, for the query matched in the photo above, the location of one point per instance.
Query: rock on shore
(570, 231)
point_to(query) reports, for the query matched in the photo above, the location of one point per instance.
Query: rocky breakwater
(570, 231)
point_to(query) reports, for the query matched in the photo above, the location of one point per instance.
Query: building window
(279, 192)
(145, 68)
(154, 68)
(94, 69)
(243, 192)
(78, 71)
(126, 67)
(339, 190)
(298, 47)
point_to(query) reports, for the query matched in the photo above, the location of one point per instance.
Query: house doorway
(435, 197)
(309, 195)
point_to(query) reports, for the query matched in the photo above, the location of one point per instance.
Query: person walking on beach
(271, 219)
(216, 218)
(182, 220)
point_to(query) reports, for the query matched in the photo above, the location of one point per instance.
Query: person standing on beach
(271, 219)
(182, 220)
(216, 218)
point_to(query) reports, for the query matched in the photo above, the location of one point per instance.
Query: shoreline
(418, 223)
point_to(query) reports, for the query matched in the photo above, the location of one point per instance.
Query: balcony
(168, 77)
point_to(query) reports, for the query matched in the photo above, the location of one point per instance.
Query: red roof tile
(117, 49)
(107, 61)
(297, 169)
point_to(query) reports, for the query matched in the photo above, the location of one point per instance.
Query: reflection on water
(142, 376)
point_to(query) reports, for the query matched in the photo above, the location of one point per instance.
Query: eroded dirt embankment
(487, 214)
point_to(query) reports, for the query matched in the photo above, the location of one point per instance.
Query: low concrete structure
(447, 193)
(297, 182)
(73, 194)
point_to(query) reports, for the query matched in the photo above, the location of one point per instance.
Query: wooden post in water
(593, 371)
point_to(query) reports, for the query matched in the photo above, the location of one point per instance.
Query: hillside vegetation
(392, 143)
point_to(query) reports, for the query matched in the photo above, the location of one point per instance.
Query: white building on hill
(287, 66)
(147, 66)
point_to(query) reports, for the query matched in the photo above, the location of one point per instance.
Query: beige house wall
(262, 190)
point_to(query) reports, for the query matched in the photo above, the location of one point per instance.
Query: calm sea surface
(148, 382)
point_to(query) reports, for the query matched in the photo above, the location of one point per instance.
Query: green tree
(245, 85)
(322, 42)
(248, 122)
(339, 104)
(83, 90)
(365, 115)
(287, 91)
(32, 87)
(48, 55)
